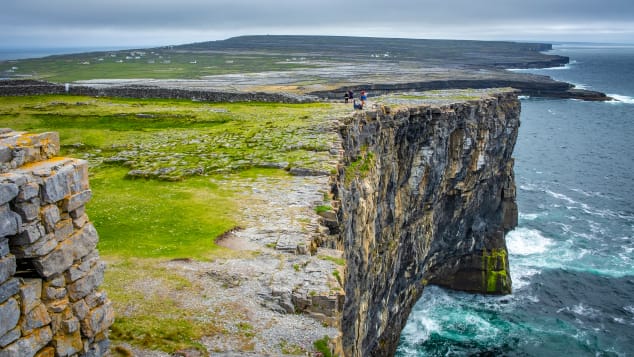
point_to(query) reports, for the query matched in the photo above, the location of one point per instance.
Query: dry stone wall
(33, 87)
(50, 271)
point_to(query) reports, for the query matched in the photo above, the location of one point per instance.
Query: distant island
(313, 66)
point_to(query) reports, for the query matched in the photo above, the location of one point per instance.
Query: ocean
(24, 53)
(572, 254)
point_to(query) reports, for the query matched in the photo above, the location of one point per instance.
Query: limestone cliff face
(427, 194)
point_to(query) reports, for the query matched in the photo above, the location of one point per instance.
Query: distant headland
(312, 67)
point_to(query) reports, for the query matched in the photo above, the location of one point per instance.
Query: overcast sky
(74, 23)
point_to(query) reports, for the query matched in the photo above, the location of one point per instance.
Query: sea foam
(617, 99)
(525, 241)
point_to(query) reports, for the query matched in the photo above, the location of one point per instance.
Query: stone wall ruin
(50, 270)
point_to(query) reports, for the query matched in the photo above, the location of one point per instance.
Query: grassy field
(204, 149)
(172, 139)
(158, 64)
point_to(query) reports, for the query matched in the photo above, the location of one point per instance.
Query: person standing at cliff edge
(364, 97)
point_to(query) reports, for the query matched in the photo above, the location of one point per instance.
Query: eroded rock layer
(427, 194)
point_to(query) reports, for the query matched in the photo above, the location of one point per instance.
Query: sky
(146, 23)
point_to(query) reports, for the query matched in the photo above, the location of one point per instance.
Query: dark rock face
(427, 194)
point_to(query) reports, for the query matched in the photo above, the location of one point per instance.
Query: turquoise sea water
(572, 255)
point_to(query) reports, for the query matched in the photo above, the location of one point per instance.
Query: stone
(79, 181)
(80, 221)
(56, 261)
(28, 191)
(9, 315)
(80, 244)
(87, 284)
(63, 229)
(8, 289)
(35, 318)
(29, 345)
(5, 154)
(80, 270)
(68, 344)
(51, 293)
(58, 306)
(71, 325)
(57, 282)
(30, 234)
(55, 187)
(97, 320)
(46, 352)
(10, 222)
(96, 299)
(28, 210)
(8, 191)
(15, 177)
(50, 217)
(42, 247)
(7, 267)
(81, 309)
(97, 349)
(77, 200)
(4, 247)
(10, 337)
(30, 294)
(78, 212)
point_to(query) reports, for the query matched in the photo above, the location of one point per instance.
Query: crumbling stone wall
(50, 271)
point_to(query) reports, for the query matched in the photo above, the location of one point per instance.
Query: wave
(419, 327)
(580, 310)
(561, 196)
(617, 99)
(554, 68)
(525, 241)
(529, 216)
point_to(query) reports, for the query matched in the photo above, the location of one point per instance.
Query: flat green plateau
(204, 152)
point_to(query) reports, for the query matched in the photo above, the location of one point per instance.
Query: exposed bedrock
(530, 85)
(427, 194)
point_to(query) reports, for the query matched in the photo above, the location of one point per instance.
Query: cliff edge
(427, 193)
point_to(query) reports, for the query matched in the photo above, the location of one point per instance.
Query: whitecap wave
(529, 216)
(561, 196)
(525, 241)
(419, 327)
(580, 310)
(521, 277)
(617, 99)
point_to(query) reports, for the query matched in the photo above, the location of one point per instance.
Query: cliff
(427, 193)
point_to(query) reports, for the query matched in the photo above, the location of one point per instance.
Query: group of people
(349, 95)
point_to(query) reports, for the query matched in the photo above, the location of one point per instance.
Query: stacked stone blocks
(50, 271)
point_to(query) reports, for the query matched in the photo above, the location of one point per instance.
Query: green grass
(183, 136)
(338, 261)
(143, 222)
(360, 167)
(323, 208)
(149, 218)
(321, 345)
